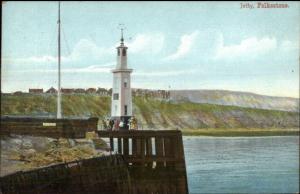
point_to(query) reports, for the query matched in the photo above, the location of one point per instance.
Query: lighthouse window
(125, 82)
(124, 52)
(125, 110)
(116, 96)
(118, 52)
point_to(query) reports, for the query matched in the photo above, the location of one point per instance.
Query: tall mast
(59, 115)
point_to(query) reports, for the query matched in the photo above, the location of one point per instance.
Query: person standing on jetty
(133, 123)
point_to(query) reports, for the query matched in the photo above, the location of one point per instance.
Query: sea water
(242, 164)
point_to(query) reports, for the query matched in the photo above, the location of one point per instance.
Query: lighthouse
(121, 102)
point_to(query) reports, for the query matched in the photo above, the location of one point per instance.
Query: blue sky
(181, 45)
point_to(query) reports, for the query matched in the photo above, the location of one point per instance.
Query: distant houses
(18, 93)
(35, 91)
(103, 92)
(94, 91)
(51, 91)
(67, 90)
(91, 91)
(161, 94)
(110, 92)
(136, 92)
(79, 91)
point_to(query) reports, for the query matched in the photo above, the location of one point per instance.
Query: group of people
(112, 125)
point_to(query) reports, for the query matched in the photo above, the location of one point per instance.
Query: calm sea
(242, 164)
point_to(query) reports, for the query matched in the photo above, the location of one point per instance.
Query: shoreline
(240, 132)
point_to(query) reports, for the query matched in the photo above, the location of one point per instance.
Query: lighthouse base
(118, 123)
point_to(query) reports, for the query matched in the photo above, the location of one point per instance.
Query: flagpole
(59, 115)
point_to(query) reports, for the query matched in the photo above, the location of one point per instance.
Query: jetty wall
(48, 127)
(141, 161)
(155, 159)
(101, 175)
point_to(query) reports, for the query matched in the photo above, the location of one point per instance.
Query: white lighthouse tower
(121, 102)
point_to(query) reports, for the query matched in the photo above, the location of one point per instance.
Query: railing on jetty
(48, 127)
(155, 159)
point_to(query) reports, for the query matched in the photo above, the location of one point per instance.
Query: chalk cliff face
(242, 99)
(186, 115)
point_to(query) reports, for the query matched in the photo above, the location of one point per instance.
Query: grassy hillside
(73, 105)
(156, 114)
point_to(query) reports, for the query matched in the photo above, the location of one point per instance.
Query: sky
(171, 45)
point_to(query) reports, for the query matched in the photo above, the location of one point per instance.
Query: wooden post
(143, 151)
(120, 145)
(159, 149)
(149, 146)
(168, 147)
(138, 147)
(182, 186)
(125, 147)
(149, 151)
(134, 147)
(111, 141)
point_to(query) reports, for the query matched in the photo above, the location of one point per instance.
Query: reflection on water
(242, 164)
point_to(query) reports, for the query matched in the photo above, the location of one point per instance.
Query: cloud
(248, 47)
(186, 43)
(287, 45)
(86, 51)
(90, 69)
(150, 43)
(29, 60)
(105, 68)
(164, 73)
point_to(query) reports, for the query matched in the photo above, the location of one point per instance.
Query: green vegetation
(73, 105)
(240, 132)
(191, 118)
